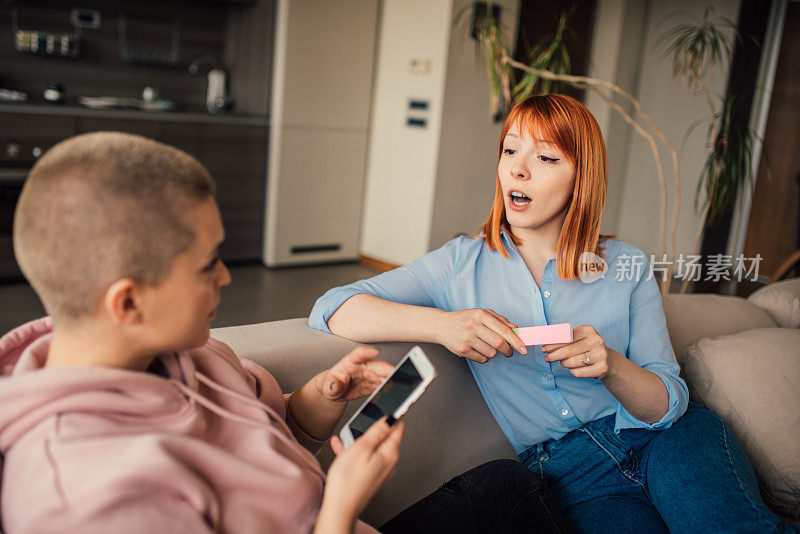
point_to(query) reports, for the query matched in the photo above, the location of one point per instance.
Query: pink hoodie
(203, 444)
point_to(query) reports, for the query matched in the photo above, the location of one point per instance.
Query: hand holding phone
(359, 471)
(353, 377)
(394, 396)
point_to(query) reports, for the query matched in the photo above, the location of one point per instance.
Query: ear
(122, 302)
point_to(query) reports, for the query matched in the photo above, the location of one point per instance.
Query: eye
(509, 151)
(210, 267)
(548, 160)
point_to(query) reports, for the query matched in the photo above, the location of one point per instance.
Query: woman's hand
(357, 473)
(586, 357)
(354, 376)
(640, 391)
(318, 406)
(478, 334)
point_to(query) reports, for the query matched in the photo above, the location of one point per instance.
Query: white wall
(674, 110)
(616, 56)
(402, 160)
(467, 166)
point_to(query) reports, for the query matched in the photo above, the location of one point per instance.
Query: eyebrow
(543, 141)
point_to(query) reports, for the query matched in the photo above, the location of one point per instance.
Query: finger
(337, 445)
(568, 351)
(576, 362)
(511, 338)
(578, 333)
(390, 447)
(583, 331)
(380, 367)
(387, 455)
(496, 341)
(475, 356)
(395, 437)
(337, 380)
(501, 318)
(365, 383)
(362, 354)
(335, 383)
(484, 348)
(589, 371)
(553, 346)
(374, 435)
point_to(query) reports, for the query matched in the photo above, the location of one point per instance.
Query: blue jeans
(692, 477)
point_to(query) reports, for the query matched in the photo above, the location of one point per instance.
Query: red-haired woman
(605, 419)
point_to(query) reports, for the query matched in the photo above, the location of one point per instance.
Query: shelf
(168, 116)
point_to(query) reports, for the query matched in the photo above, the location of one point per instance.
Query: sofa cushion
(752, 380)
(781, 300)
(448, 431)
(691, 318)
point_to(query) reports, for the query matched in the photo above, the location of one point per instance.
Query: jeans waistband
(541, 450)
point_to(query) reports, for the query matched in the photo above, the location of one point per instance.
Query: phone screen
(393, 393)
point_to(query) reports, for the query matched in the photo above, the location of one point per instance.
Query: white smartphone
(394, 396)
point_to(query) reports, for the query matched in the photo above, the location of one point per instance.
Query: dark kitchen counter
(73, 110)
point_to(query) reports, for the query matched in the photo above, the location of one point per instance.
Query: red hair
(567, 124)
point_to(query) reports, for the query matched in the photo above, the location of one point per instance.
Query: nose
(519, 171)
(225, 275)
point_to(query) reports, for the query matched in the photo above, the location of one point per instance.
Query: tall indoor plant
(697, 49)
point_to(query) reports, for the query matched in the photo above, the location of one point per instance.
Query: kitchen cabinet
(236, 157)
(232, 148)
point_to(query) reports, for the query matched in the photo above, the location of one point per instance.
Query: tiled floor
(256, 294)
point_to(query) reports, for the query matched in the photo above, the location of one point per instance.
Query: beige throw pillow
(691, 318)
(781, 300)
(752, 380)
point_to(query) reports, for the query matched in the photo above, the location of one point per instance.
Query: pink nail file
(545, 335)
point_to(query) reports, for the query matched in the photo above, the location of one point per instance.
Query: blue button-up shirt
(533, 400)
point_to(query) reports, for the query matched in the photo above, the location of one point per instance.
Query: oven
(16, 159)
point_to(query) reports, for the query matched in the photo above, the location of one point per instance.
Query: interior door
(774, 227)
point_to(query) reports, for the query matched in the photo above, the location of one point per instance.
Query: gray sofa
(451, 430)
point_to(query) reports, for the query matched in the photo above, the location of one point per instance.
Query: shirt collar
(505, 233)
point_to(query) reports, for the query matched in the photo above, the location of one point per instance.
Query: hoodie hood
(30, 394)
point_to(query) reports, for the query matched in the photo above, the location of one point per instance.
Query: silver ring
(586, 361)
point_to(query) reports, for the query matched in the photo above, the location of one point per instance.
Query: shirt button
(564, 412)
(547, 294)
(546, 377)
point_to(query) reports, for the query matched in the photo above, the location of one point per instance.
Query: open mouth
(519, 199)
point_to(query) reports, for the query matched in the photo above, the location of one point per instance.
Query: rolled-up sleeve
(420, 283)
(649, 347)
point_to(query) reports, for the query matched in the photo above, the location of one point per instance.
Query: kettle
(216, 94)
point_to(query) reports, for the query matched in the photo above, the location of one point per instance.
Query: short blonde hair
(567, 123)
(100, 207)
